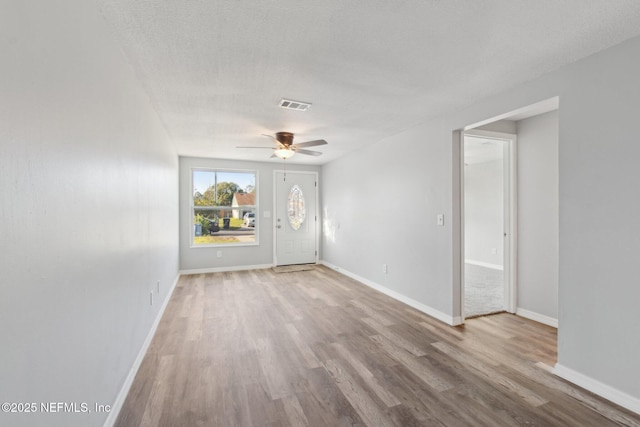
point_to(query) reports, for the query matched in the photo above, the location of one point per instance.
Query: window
(224, 207)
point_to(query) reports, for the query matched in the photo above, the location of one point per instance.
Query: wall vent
(294, 105)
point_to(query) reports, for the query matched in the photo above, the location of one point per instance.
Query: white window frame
(192, 208)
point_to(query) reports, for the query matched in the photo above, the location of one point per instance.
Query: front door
(296, 217)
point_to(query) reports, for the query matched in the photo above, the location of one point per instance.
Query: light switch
(440, 219)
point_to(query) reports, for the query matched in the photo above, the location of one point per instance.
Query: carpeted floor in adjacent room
(483, 290)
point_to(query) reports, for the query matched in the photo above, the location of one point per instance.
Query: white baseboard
(484, 264)
(550, 321)
(223, 269)
(124, 391)
(614, 395)
(449, 320)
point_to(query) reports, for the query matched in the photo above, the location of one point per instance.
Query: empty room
(401, 213)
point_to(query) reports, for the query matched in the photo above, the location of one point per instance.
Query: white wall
(501, 126)
(484, 212)
(88, 211)
(233, 257)
(599, 211)
(600, 219)
(381, 208)
(538, 215)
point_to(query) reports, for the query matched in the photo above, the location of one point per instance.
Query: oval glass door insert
(295, 207)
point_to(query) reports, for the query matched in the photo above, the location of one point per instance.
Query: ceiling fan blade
(311, 143)
(308, 152)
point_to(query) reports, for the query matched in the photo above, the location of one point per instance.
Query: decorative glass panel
(295, 207)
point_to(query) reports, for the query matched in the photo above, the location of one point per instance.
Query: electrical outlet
(494, 251)
(219, 254)
(384, 268)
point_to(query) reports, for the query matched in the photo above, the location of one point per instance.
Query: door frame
(510, 229)
(274, 216)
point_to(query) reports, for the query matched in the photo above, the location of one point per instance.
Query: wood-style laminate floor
(315, 348)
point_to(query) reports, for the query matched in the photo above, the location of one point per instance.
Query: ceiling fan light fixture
(285, 148)
(284, 153)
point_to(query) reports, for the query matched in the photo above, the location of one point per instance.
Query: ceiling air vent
(294, 105)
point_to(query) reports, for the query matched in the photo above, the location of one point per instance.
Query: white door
(296, 217)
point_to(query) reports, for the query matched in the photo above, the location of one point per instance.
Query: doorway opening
(486, 187)
(530, 238)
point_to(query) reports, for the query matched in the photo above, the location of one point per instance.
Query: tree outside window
(224, 207)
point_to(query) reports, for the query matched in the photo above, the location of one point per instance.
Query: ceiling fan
(285, 148)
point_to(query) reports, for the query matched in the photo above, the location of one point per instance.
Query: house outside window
(224, 207)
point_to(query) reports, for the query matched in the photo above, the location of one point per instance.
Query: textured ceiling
(215, 70)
